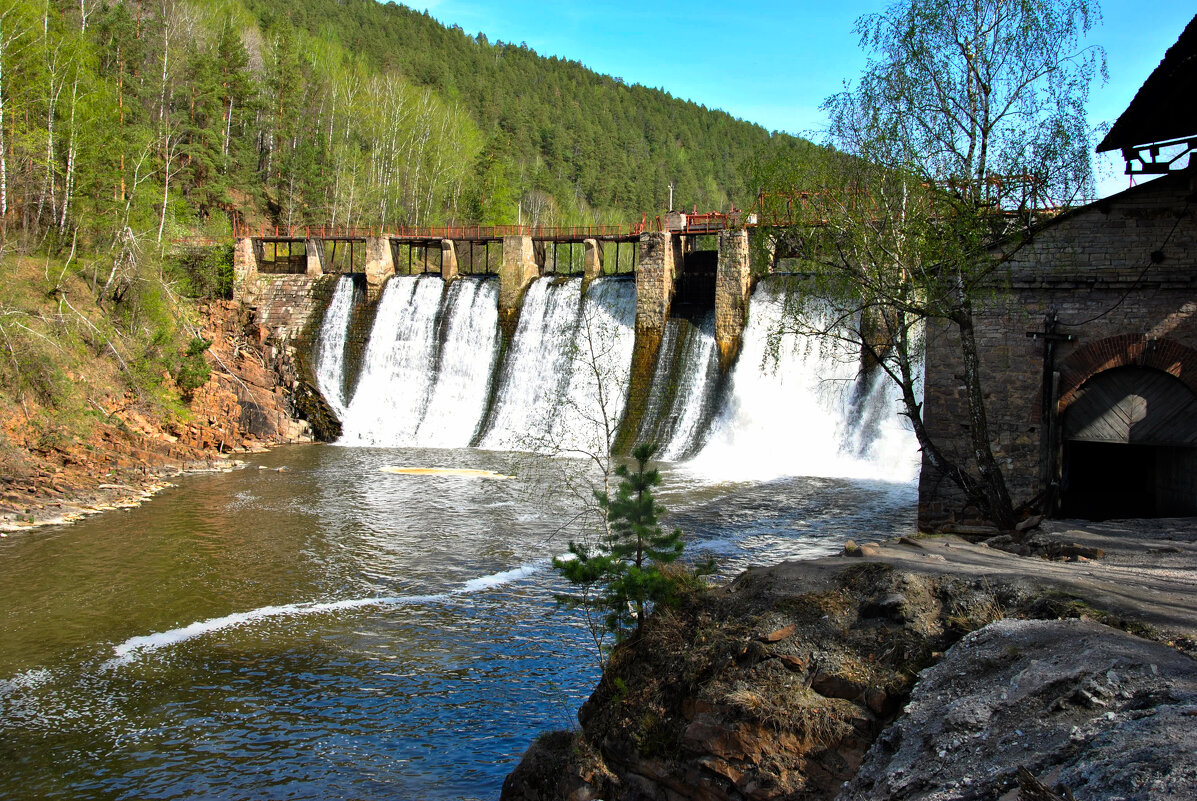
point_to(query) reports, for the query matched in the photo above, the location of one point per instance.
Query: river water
(331, 630)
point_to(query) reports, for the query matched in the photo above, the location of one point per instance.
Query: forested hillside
(126, 126)
(154, 119)
(550, 126)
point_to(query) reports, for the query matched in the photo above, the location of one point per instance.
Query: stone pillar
(315, 251)
(448, 261)
(655, 275)
(592, 261)
(733, 282)
(380, 264)
(515, 274)
(245, 267)
(654, 280)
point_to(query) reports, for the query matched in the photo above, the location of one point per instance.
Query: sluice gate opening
(694, 289)
(1130, 447)
(282, 256)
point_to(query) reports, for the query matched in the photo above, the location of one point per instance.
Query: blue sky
(773, 62)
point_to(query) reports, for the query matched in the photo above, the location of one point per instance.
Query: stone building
(1089, 349)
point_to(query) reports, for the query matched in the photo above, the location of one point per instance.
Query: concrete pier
(449, 270)
(659, 257)
(592, 261)
(245, 267)
(654, 280)
(380, 265)
(315, 257)
(733, 284)
(518, 270)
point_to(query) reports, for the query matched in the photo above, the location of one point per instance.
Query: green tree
(626, 574)
(967, 124)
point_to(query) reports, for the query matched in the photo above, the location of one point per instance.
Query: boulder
(1110, 716)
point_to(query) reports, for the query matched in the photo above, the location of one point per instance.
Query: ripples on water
(332, 631)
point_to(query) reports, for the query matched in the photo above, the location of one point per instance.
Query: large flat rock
(1083, 707)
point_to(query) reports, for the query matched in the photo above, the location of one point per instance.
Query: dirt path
(1147, 570)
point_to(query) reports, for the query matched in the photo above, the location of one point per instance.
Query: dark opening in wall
(1130, 447)
(694, 291)
(1104, 480)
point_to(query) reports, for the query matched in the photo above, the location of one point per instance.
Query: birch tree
(969, 120)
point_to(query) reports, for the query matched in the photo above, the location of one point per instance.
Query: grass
(82, 340)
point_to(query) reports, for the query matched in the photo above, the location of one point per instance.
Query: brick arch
(1125, 350)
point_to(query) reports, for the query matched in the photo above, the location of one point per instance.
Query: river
(314, 627)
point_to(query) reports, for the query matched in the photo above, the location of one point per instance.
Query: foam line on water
(499, 579)
(143, 644)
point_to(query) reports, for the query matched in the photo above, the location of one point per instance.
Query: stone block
(592, 261)
(449, 271)
(380, 264)
(733, 283)
(245, 266)
(518, 270)
(654, 280)
(315, 257)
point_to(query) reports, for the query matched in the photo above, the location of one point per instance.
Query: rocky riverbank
(134, 446)
(919, 668)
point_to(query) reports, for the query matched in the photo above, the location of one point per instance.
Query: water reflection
(411, 661)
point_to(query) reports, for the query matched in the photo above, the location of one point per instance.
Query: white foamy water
(464, 365)
(499, 579)
(141, 645)
(330, 347)
(427, 370)
(699, 370)
(601, 361)
(789, 411)
(793, 405)
(536, 371)
(397, 371)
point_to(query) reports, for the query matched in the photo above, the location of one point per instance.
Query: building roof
(1164, 108)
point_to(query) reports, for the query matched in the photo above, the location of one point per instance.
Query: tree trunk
(998, 506)
(907, 380)
(72, 150)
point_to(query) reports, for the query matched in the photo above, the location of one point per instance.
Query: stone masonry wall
(285, 304)
(654, 281)
(733, 283)
(1120, 271)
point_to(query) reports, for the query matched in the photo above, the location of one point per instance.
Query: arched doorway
(1130, 446)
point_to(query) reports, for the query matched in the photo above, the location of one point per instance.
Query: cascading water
(535, 376)
(684, 386)
(790, 409)
(400, 355)
(330, 347)
(793, 405)
(601, 356)
(567, 368)
(425, 375)
(466, 361)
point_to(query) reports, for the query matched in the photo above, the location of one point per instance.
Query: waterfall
(601, 359)
(330, 347)
(790, 409)
(564, 383)
(431, 377)
(684, 388)
(535, 373)
(465, 364)
(425, 373)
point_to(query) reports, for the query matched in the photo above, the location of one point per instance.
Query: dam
(687, 349)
